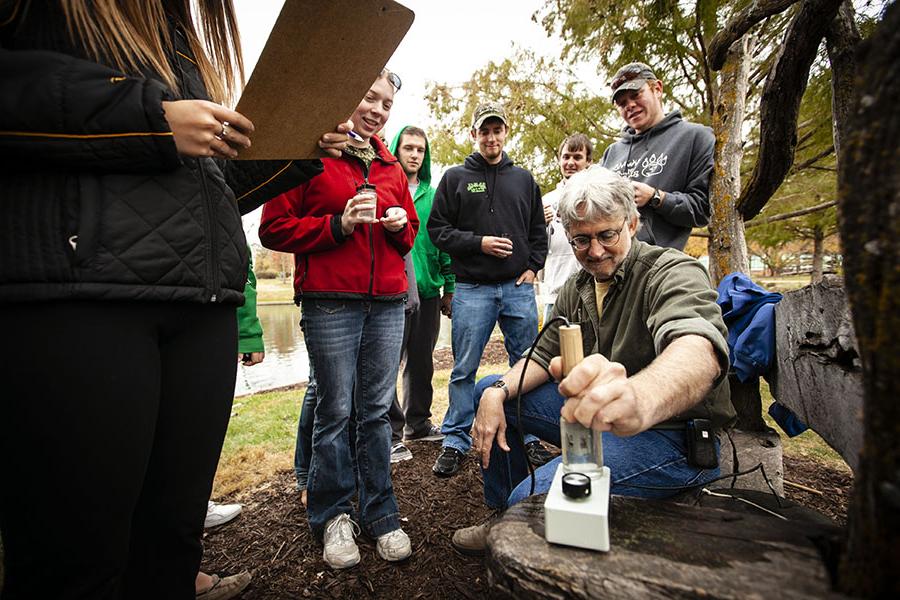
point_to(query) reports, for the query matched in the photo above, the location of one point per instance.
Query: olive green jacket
(657, 295)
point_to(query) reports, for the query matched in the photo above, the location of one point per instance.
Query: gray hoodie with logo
(676, 157)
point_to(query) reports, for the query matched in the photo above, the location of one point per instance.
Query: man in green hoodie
(432, 268)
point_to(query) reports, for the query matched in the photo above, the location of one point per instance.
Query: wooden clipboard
(318, 63)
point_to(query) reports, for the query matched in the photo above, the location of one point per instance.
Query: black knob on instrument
(576, 485)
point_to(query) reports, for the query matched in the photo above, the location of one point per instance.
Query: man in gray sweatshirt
(668, 160)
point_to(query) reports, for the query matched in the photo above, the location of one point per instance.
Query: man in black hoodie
(487, 215)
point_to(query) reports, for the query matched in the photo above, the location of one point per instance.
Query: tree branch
(841, 40)
(710, 98)
(790, 215)
(809, 163)
(703, 233)
(780, 103)
(740, 24)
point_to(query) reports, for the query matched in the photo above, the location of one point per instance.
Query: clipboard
(318, 63)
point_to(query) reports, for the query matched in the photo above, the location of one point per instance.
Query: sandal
(225, 588)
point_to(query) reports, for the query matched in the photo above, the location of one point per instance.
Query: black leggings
(112, 418)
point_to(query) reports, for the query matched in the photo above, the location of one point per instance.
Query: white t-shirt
(561, 261)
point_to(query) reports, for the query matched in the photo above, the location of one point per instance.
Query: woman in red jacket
(351, 284)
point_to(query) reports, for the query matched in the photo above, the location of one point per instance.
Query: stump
(818, 373)
(753, 448)
(661, 550)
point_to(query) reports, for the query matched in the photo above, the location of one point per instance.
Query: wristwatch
(502, 385)
(655, 199)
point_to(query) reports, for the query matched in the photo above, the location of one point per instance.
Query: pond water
(286, 360)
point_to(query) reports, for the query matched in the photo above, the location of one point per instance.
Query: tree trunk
(727, 245)
(869, 196)
(818, 253)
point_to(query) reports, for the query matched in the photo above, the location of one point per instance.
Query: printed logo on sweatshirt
(651, 165)
(476, 187)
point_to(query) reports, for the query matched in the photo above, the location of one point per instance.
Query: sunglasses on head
(393, 79)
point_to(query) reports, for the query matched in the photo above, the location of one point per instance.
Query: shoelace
(343, 528)
(392, 537)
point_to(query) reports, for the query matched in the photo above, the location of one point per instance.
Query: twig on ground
(800, 486)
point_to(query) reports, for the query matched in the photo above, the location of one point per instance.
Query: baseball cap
(487, 110)
(632, 76)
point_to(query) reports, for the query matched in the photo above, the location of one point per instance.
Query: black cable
(519, 396)
(759, 467)
(735, 462)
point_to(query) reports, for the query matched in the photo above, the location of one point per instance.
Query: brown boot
(472, 540)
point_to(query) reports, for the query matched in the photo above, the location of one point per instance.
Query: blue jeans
(303, 449)
(477, 307)
(353, 342)
(655, 458)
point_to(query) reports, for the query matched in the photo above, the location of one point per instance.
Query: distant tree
(545, 103)
(269, 263)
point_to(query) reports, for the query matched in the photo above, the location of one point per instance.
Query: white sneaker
(219, 514)
(394, 546)
(340, 549)
(400, 452)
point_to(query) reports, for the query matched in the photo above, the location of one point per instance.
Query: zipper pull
(73, 241)
(213, 298)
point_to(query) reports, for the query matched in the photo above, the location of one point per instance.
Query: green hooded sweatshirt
(432, 265)
(250, 333)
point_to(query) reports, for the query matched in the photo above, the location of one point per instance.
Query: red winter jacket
(306, 221)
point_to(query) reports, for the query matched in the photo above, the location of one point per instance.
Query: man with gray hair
(655, 367)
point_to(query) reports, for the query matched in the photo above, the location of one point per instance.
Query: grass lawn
(263, 427)
(274, 290)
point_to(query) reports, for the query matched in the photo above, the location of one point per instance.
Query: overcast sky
(448, 41)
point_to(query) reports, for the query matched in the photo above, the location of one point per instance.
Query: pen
(355, 136)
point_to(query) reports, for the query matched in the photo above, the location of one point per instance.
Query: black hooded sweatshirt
(476, 200)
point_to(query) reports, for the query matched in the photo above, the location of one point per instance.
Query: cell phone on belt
(701, 444)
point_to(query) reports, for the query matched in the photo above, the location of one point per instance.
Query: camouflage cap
(632, 76)
(485, 111)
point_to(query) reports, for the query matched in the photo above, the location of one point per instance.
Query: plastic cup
(368, 190)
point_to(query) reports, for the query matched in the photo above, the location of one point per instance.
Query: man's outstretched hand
(600, 396)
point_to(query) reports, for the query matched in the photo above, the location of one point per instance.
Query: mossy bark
(869, 217)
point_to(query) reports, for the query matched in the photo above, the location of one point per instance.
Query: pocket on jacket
(83, 240)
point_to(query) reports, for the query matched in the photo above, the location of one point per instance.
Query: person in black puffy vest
(122, 263)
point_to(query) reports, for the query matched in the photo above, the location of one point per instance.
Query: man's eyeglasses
(393, 79)
(607, 238)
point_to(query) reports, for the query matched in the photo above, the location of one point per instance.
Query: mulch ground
(835, 486)
(272, 540)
